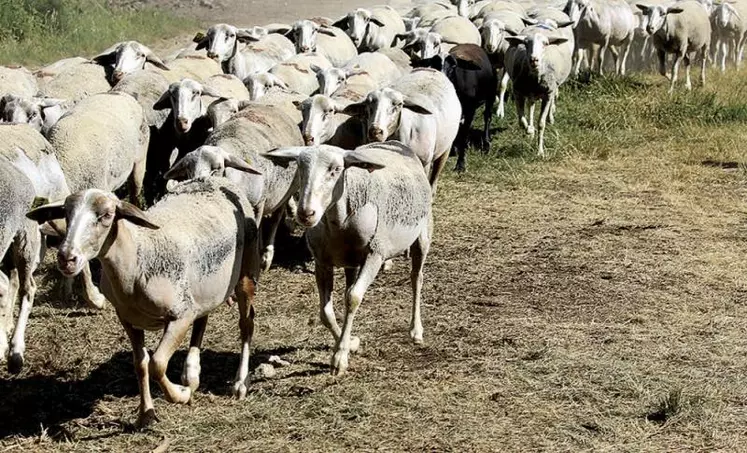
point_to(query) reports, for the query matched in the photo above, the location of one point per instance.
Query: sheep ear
(565, 24)
(246, 35)
(674, 10)
(177, 172)
(529, 21)
(643, 8)
(234, 162)
(210, 91)
(316, 68)
(326, 31)
(51, 211)
(515, 40)
(279, 29)
(341, 23)
(412, 106)
(432, 62)
(355, 109)
(133, 214)
(108, 56)
(164, 102)
(298, 104)
(376, 21)
(284, 156)
(153, 59)
(202, 41)
(50, 102)
(555, 40)
(363, 160)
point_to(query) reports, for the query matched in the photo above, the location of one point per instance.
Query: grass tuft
(667, 407)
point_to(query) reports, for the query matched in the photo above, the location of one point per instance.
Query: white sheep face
(186, 103)
(130, 57)
(330, 80)
(358, 21)
(259, 84)
(222, 42)
(575, 9)
(383, 111)
(657, 16)
(492, 35)
(317, 114)
(431, 46)
(305, 34)
(39, 113)
(463, 7)
(724, 14)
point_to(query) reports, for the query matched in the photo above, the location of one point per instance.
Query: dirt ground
(594, 301)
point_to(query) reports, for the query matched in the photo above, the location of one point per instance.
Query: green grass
(34, 32)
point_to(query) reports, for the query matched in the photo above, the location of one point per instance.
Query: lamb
(682, 29)
(331, 42)
(102, 143)
(376, 68)
(468, 68)
(361, 208)
(222, 44)
(373, 28)
(21, 241)
(603, 23)
(538, 64)
(421, 110)
(39, 113)
(255, 130)
(298, 74)
(196, 246)
(127, 57)
(17, 81)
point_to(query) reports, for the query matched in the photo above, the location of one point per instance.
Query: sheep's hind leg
(325, 284)
(351, 275)
(688, 83)
(191, 370)
(675, 69)
(418, 252)
(544, 111)
(501, 112)
(173, 335)
(26, 251)
(245, 291)
(353, 299)
(91, 293)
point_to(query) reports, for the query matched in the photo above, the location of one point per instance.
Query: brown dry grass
(594, 301)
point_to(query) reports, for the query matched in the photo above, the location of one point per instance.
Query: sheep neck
(118, 255)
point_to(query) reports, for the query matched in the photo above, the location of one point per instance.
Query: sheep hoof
(530, 131)
(388, 265)
(15, 363)
(417, 336)
(267, 257)
(191, 377)
(97, 302)
(146, 419)
(355, 344)
(239, 390)
(339, 363)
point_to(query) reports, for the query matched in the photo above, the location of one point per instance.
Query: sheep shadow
(32, 404)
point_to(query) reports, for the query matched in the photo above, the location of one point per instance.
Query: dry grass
(594, 301)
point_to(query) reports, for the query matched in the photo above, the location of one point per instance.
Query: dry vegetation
(595, 300)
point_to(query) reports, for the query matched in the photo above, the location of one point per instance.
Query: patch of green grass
(34, 32)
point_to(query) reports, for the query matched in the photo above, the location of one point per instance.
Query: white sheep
(127, 57)
(729, 24)
(325, 123)
(421, 110)
(372, 29)
(39, 113)
(374, 67)
(360, 209)
(196, 246)
(298, 74)
(72, 80)
(683, 29)
(222, 44)
(331, 42)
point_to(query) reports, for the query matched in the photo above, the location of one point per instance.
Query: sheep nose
(184, 124)
(67, 261)
(212, 55)
(376, 134)
(308, 140)
(305, 49)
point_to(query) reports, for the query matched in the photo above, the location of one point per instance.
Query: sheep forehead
(305, 25)
(186, 86)
(221, 28)
(92, 200)
(321, 103)
(319, 157)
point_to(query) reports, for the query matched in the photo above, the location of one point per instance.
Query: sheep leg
(438, 165)
(520, 102)
(740, 51)
(146, 411)
(418, 252)
(530, 128)
(353, 299)
(544, 111)
(26, 251)
(325, 284)
(487, 116)
(91, 293)
(688, 83)
(6, 312)
(722, 45)
(173, 335)
(268, 242)
(703, 66)
(675, 69)
(615, 58)
(577, 57)
(501, 112)
(662, 62)
(191, 371)
(351, 275)
(626, 52)
(245, 291)
(463, 138)
(136, 183)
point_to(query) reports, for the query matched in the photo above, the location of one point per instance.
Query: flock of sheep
(346, 124)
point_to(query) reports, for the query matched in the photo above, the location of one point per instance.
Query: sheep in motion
(361, 208)
(166, 270)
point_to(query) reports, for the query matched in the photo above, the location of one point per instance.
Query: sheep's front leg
(27, 293)
(245, 291)
(191, 371)
(544, 111)
(675, 69)
(520, 106)
(418, 252)
(268, 239)
(688, 83)
(173, 335)
(662, 62)
(325, 283)
(6, 312)
(724, 51)
(626, 52)
(353, 299)
(703, 66)
(501, 112)
(146, 411)
(136, 182)
(530, 127)
(91, 293)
